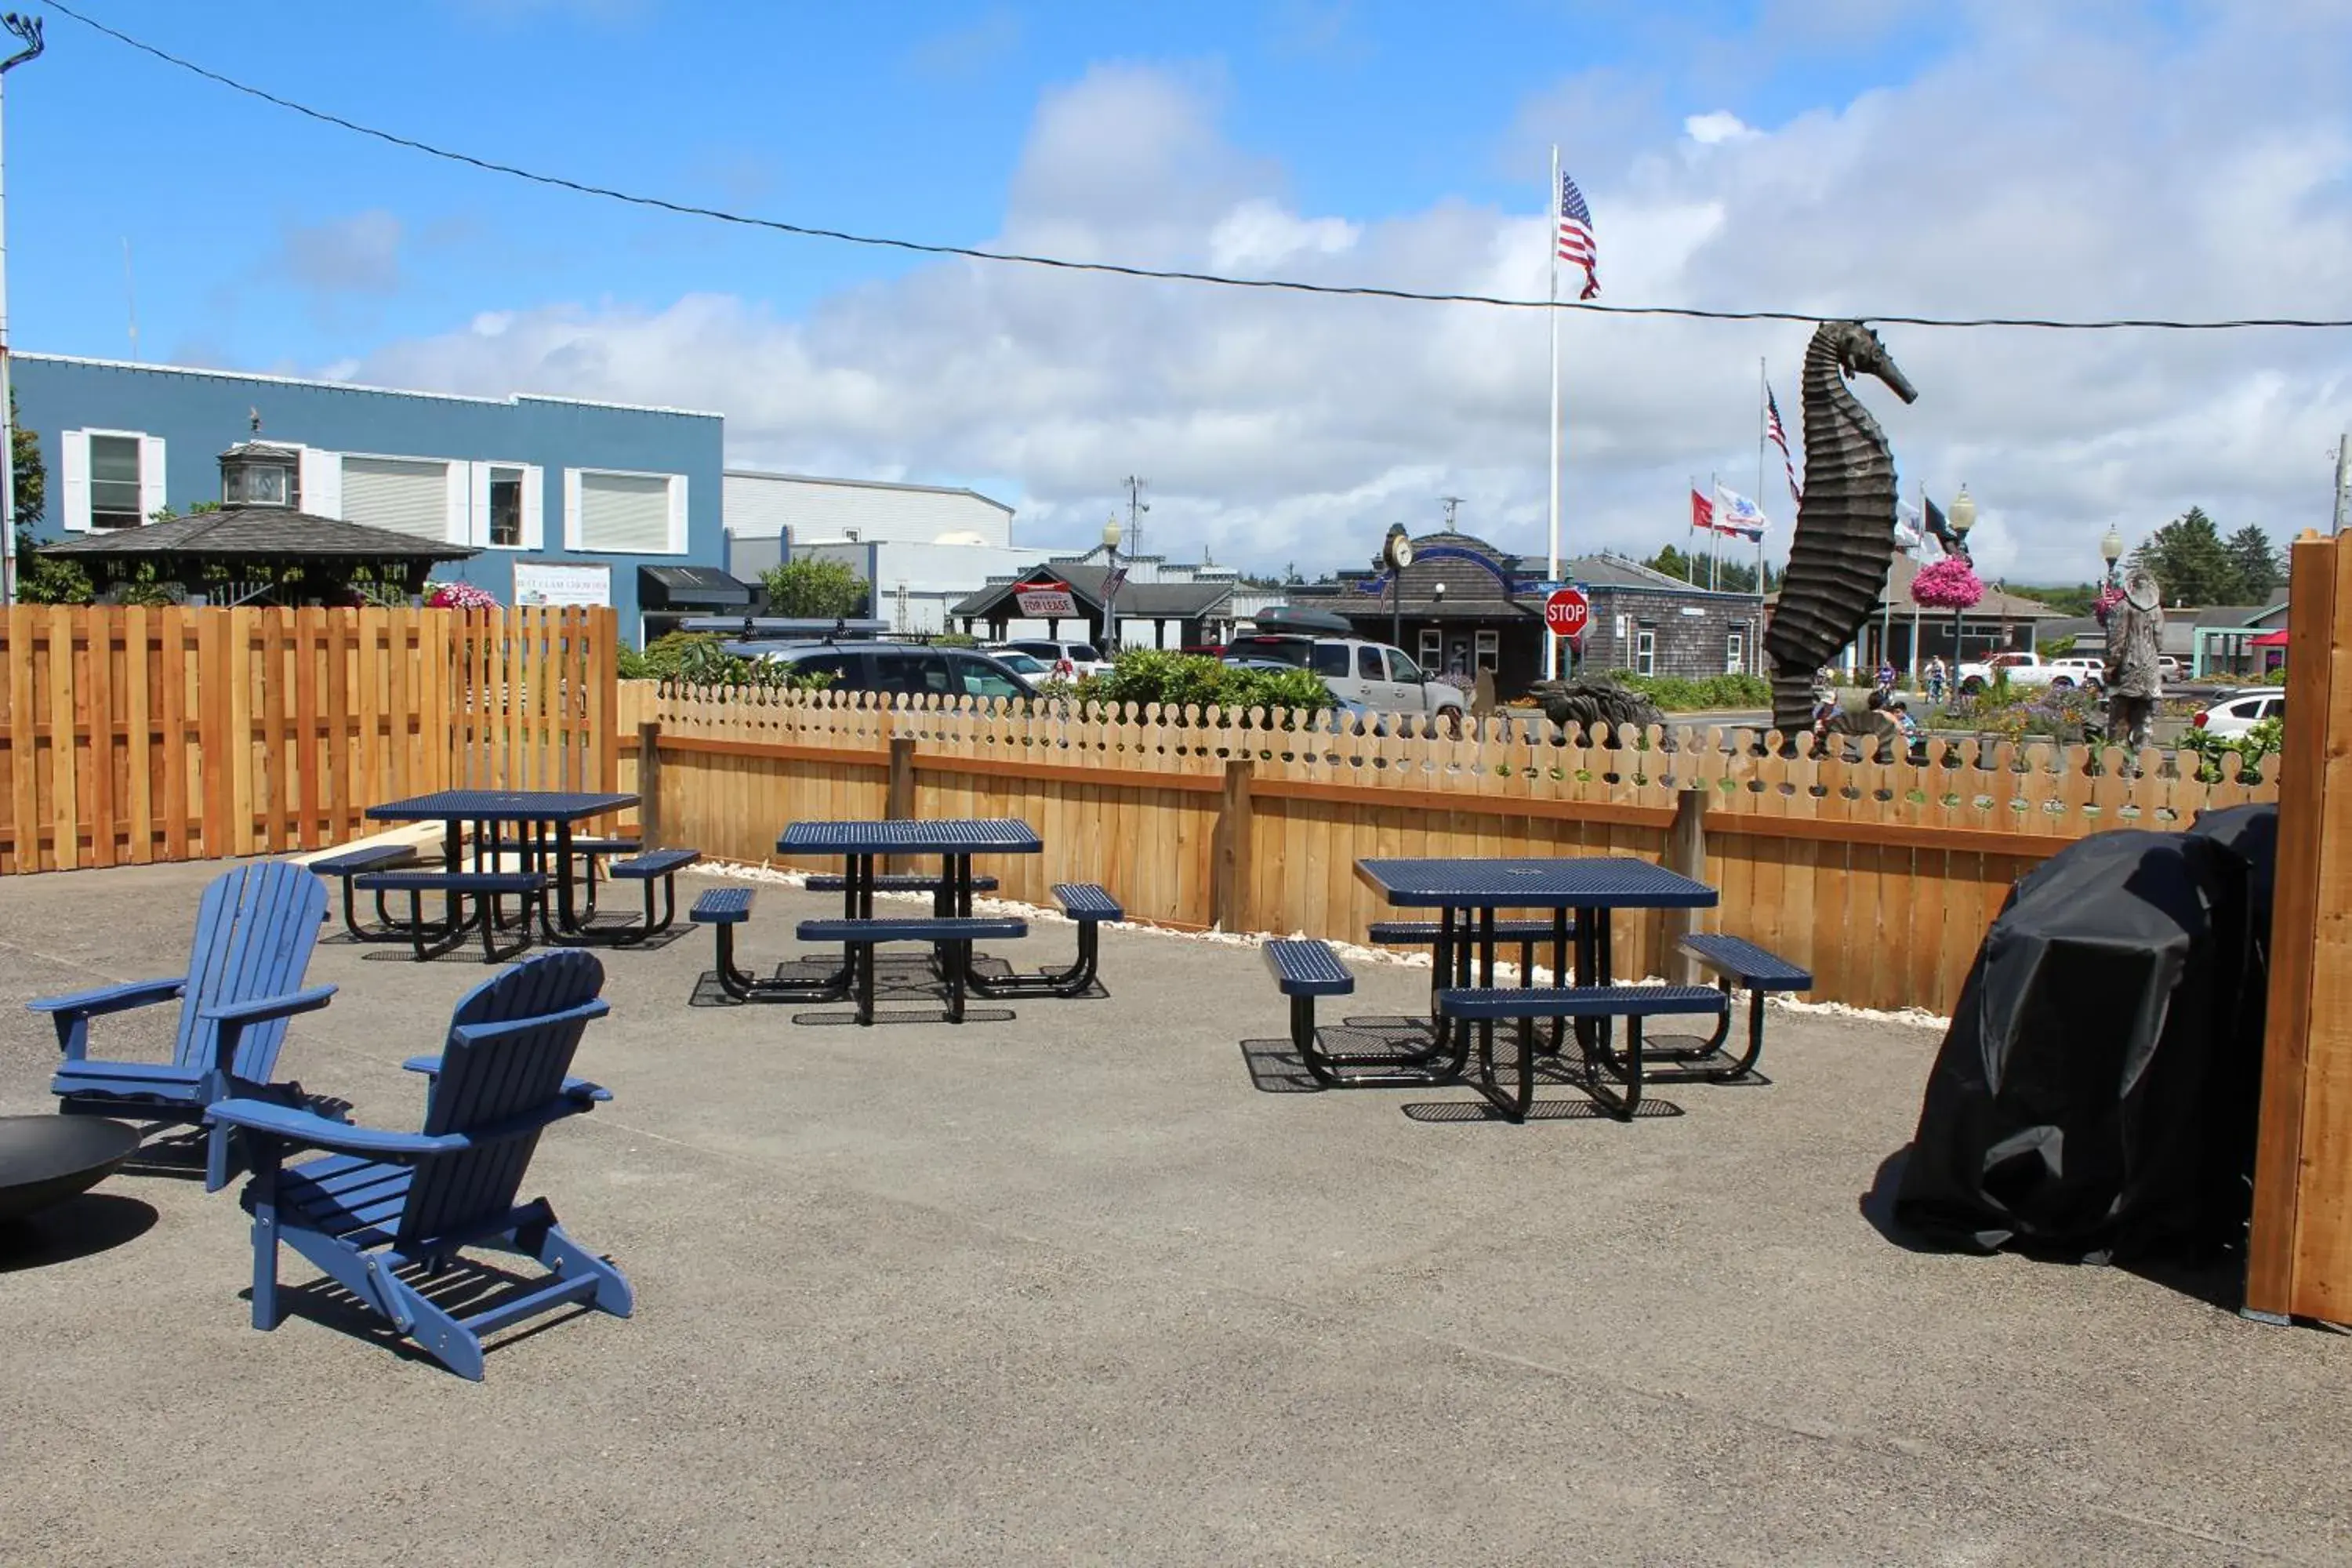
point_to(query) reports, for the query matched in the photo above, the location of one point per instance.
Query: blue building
(569, 503)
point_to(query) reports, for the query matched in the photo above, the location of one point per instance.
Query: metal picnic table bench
(535, 826)
(1580, 895)
(950, 929)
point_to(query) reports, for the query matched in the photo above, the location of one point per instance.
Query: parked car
(2024, 669)
(2079, 672)
(1081, 657)
(1368, 674)
(1027, 665)
(2235, 715)
(914, 669)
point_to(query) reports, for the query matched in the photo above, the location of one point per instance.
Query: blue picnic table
(862, 846)
(544, 821)
(1580, 893)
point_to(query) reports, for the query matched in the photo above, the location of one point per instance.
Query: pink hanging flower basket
(1947, 584)
(460, 597)
(2109, 597)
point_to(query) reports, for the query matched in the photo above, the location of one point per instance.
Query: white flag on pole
(1736, 514)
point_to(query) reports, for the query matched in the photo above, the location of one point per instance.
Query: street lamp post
(1110, 538)
(2111, 550)
(1396, 550)
(1962, 518)
(27, 30)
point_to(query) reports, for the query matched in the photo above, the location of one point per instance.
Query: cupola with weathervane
(258, 473)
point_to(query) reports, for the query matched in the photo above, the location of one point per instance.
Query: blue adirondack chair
(254, 931)
(385, 1212)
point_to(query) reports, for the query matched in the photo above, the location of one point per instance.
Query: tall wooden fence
(130, 734)
(1881, 876)
(2299, 1251)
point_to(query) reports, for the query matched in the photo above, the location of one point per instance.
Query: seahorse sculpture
(1845, 541)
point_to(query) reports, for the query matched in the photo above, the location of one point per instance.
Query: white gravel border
(742, 872)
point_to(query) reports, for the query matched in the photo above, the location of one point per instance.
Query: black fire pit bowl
(44, 1160)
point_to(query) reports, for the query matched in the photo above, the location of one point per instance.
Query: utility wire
(1277, 285)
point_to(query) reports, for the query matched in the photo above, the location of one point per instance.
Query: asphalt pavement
(1101, 1282)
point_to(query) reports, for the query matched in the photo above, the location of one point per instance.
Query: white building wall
(915, 584)
(826, 510)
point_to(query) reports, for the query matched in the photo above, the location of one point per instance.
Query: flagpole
(1551, 554)
(1714, 550)
(1690, 532)
(1763, 391)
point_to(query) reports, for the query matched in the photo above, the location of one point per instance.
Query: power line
(1170, 275)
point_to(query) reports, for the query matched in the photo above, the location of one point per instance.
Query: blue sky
(1844, 153)
(904, 119)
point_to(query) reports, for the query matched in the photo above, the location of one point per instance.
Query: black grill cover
(2096, 1093)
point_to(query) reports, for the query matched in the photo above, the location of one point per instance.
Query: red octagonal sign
(1566, 611)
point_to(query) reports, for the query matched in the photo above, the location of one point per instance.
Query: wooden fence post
(898, 803)
(1686, 853)
(1230, 891)
(648, 783)
(898, 796)
(2299, 1244)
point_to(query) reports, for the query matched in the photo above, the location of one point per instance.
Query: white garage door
(399, 493)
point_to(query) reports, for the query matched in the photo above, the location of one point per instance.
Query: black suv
(914, 669)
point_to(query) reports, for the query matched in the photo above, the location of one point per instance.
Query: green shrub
(1145, 675)
(1682, 694)
(698, 659)
(2259, 743)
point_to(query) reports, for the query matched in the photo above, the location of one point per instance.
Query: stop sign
(1566, 611)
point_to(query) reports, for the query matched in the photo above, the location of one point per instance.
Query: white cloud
(2150, 176)
(976, 46)
(355, 254)
(1259, 234)
(1722, 125)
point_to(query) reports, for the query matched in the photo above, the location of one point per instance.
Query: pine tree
(2259, 571)
(2190, 561)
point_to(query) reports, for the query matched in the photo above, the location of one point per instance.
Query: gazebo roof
(255, 531)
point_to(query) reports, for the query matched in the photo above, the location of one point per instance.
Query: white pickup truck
(1369, 676)
(2027, 670)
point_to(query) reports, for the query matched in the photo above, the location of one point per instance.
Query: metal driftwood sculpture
(1845, 541)
(2135, 665)
(1593, 701)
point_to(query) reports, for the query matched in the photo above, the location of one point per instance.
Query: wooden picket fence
(130, 734)
(1880, 877)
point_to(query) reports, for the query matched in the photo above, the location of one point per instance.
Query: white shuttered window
(636, 513)
(404, 494)
(112, 478)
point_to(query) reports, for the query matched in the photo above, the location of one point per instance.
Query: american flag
(1576, 236)
(1780, 434)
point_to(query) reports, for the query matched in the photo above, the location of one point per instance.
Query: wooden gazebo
(259, 547)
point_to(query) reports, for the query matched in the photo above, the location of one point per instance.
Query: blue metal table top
(999, 837)
(500, 806)
(1592, 882)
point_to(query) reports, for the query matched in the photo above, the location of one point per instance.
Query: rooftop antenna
(1136, 507)
(130, 298)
